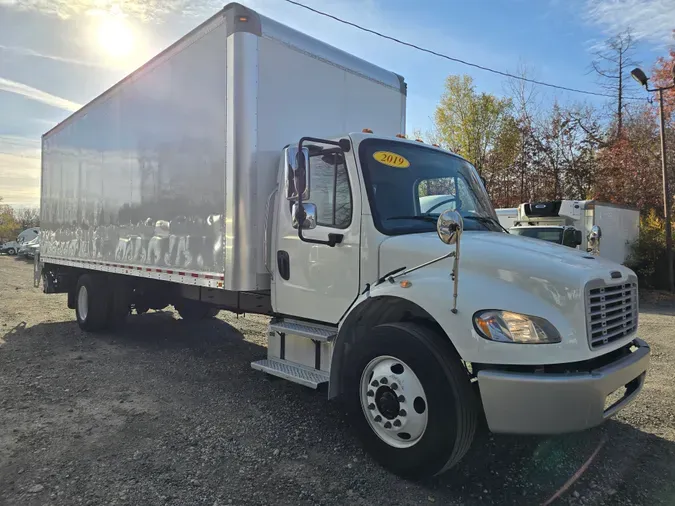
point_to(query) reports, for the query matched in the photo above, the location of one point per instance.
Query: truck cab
(399, 288)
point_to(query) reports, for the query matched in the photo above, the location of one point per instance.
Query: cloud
(37, 95)
(651, 20)
(139, 9)
(20, 171)
(32, 53)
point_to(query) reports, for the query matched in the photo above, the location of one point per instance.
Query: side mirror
(449, 226)
(297, 173)
(310, 216)
(578, 238)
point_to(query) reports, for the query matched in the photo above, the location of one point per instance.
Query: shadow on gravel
(629, 467)
(212, 358)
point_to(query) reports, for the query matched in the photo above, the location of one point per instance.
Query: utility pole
(666, 194)
(642, 78)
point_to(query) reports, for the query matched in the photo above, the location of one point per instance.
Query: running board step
(314, 332)
(293, 372)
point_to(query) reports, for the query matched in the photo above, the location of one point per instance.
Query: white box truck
(223, 175)
(600, 228)
(507, 216)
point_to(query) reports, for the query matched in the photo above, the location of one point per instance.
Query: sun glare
(115, 37)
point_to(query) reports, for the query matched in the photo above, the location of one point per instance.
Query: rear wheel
(410, 400)
(11, 251)
(92, 304)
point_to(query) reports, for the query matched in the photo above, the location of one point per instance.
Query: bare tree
(28, 217)
(613, 63)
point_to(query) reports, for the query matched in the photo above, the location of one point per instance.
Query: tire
(11, 251)
(427, 392)
(92, 302)
(192, 310)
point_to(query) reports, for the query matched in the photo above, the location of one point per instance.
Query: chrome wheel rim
(83, 302)
(393, 401)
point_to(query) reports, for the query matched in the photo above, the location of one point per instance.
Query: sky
(56, 55)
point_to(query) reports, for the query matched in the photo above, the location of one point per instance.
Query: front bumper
(553, 403)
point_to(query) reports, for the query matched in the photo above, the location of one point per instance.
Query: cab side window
(329, 189)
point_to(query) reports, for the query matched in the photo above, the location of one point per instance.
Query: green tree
(470, 123)
(9, 226)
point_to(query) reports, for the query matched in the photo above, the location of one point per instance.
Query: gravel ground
(166, 412)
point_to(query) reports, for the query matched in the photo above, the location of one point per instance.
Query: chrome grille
(611, 311)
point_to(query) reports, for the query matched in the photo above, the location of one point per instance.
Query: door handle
(284, 264)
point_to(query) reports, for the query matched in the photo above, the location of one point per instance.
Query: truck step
(314, 332)
(293, 372)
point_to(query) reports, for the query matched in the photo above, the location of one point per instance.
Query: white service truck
(598, 227)
(13, 247)
(222, 175)
(507, 216)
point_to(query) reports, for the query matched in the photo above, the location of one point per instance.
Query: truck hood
(509, 257)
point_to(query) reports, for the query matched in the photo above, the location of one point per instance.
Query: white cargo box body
(167, 174)
(620, 226)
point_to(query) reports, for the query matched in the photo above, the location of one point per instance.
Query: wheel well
(370, 313)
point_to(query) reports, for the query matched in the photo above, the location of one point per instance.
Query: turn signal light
(367, 131)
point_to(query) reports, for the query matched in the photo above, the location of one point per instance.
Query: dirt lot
(169, 413)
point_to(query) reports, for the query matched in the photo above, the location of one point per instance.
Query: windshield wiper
(421, 217)
(485, 220)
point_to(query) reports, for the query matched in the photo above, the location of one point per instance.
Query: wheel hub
(387, 402)
(393, 401)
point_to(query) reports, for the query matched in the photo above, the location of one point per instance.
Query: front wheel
(11, 251)
(410, 400)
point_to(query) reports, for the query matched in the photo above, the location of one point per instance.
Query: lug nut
(371, 406)
(401, 398)
(403, 412)
(378, 418)
(370, 393)
(397, 423)
(387, 425)
(375, 384)
(394, 386)
(384, 381)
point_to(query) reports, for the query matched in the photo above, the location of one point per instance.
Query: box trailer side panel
(136, 178)
(169, 172)
(308, 88)
(620, 227)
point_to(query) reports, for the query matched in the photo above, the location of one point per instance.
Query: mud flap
(37, 270)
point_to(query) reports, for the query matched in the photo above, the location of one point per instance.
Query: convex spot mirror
(310, 216)
(594, 238)
(449, 226)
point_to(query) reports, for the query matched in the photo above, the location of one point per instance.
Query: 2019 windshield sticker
(391, 159)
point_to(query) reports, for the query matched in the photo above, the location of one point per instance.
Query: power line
(19, 155)
(457, 60)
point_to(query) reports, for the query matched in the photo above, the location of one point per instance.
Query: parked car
(10, 247)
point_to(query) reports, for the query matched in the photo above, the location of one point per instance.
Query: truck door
(317, 281)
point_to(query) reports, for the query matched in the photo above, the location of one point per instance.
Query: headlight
(507, 327)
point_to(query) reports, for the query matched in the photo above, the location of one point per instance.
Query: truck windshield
(409, 185)
(553, 234)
